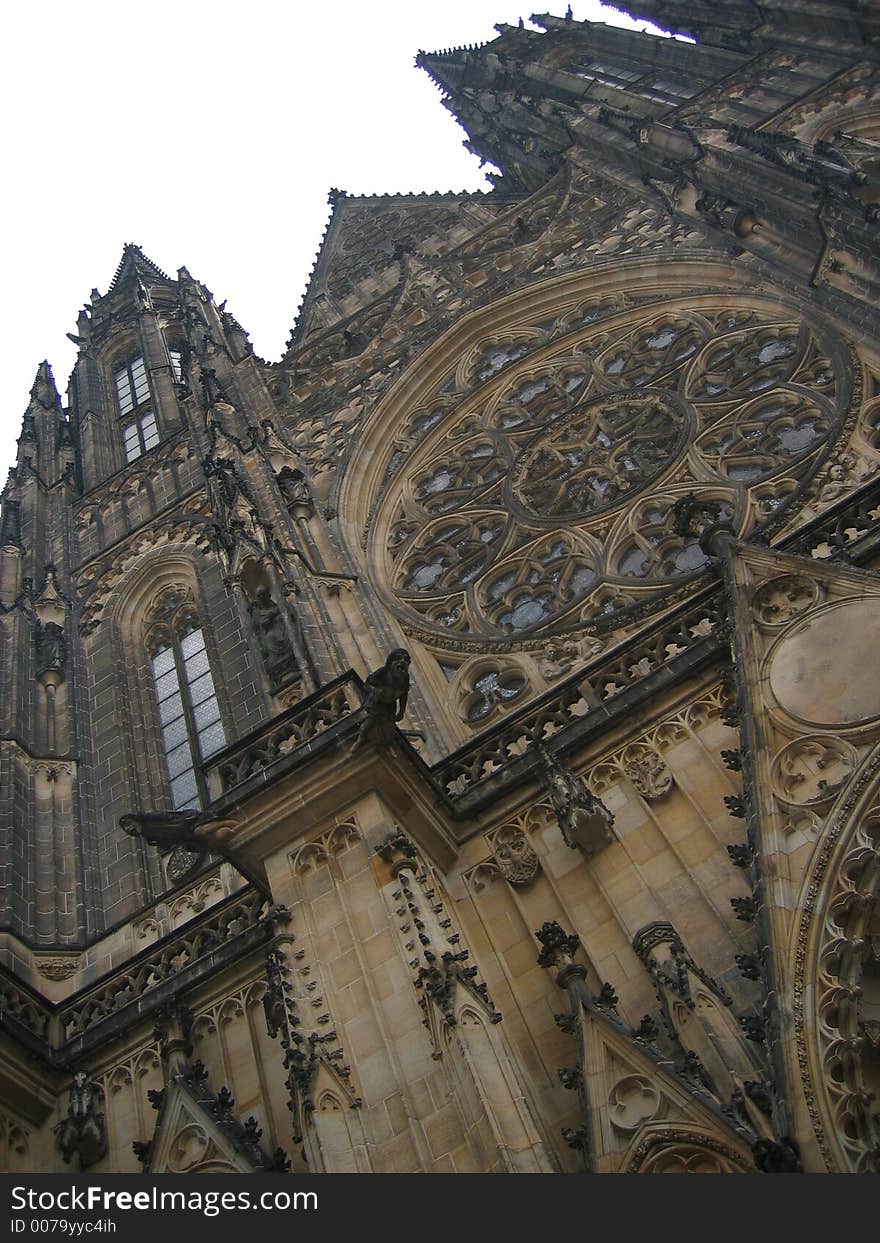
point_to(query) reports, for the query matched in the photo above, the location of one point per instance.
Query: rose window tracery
(535, 485)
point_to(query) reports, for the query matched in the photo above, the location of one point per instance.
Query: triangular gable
(189, 1140)
(368, 234)
(628, 1090)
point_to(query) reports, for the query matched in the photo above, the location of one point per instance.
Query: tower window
(132, 386)
(176, 368)
(189, 715)
(139, 436)
(140, 431)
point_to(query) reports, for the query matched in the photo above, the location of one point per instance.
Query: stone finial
(558, 947)
(584, 820)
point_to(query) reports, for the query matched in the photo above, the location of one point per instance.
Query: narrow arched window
(140, 431)
(189, 715)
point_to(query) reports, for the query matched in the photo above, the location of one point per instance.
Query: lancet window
(186, 698)
(140, 431)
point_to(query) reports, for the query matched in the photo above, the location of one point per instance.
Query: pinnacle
(44, 393)
(133, 266)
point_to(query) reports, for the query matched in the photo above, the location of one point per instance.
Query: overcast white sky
(209, 132)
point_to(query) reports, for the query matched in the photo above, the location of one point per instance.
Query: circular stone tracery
(548, 496)
(594, 456)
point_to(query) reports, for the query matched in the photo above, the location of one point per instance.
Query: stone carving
(295, 492)
(782, 599)
(558, 947)
(686, 1159)
(51, 651)
(632, 1101)
(387, 690)
(697, 1010)
(584, 820)
(181, 861)
(438, 957)
(190, 1147)
(810, 771)
(83, 1132)
(56, 968)
(557, 660)
(648, 772)
(777, 1156)
(275, 646)
(515, 858)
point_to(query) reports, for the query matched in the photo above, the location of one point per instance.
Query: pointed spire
(44, 394)
(136, 270)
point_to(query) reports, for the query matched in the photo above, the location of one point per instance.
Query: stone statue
(272, 635)
(295, 490)
(385, 700)
(83, 1130)
(51, 649)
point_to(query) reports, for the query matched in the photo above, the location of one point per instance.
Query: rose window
(594, 456)
(536, 486)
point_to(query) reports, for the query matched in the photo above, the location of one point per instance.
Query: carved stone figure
(295, 491)
(557, 660)
(271, 632)
(83, 1131)
(649, 774)
(51, 650)
(385, 700)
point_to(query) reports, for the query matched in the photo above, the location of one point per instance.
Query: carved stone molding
(677, 1151)
(834, 953)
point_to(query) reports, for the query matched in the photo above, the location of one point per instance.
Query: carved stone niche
(271, 627)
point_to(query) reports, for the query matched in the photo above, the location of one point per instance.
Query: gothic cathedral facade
(456, 746)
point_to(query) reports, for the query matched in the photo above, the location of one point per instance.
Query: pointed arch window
(140, 431)
(189, 714)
